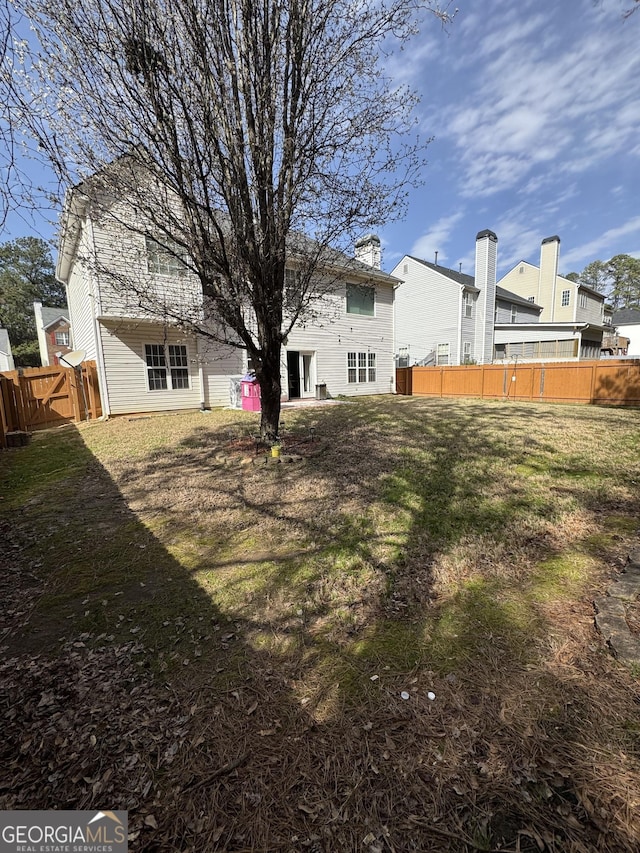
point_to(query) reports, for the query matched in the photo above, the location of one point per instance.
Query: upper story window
(514, 314)
(566, 298)
(361, 299)
(583, 299)
(531, 299)
(467, 303)
(62, 339)
(165, 257)
(520, 271)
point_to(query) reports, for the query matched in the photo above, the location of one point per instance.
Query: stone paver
(610, 617)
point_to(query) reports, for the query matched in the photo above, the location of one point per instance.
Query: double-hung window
(443, 354)
(62, 339)
(514, 314)
(361, 367)
(566, 297)
(167, 367)
(165, 257)
(467, 302)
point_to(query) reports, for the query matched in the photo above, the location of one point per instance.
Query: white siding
(81, 298)
(126, 372)
(594, 312)
(337, 333)
(523, 313)
(127, 289)
(631, 331)
(427, 311)
(219, 365)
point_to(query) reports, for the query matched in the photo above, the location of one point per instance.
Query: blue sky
(535, 110)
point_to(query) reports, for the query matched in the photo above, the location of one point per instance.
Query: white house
(6, 358)
(444, 316)
(627, 322)
(151, 364)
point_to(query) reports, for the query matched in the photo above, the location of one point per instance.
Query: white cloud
(602, 247)
(436, 238)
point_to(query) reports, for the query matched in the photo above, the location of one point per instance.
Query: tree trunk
(268, 376)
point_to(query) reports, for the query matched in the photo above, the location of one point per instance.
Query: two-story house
(571, 323)
(148, 362)
(444, 316)
(54, 333)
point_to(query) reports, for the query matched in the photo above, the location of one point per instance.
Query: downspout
(97, 309)
(203, 407)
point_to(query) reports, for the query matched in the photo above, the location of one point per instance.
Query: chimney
(485, 281)
(549, 252)
(368, 251)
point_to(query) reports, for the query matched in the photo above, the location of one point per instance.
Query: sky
(534, 110)
(534, 107)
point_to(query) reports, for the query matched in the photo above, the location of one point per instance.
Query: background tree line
(618, 278)
(26, 275)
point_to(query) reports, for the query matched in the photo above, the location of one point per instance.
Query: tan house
(572, 312)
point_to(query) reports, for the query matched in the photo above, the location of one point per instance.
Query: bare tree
(231, 127)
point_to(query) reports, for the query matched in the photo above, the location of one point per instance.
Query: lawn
(386, 644)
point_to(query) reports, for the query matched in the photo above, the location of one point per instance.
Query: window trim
(362, 288)
(440, 363)
(64, 335)
(467, 305)
(514, 313)
(362, 367)
(174, 267)
(163, 351)
(565, 294)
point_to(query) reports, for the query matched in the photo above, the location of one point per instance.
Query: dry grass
(275, 614)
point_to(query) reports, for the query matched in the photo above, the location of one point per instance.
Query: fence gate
(39, 397)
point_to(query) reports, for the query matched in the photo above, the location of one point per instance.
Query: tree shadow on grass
(279, 641)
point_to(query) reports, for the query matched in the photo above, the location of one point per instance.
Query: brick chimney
(485, 281)
(368, 251)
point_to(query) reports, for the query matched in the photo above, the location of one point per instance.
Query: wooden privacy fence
(40, 397)
(607, 382)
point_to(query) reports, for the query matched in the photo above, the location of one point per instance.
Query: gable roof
(626, 316)
(459, 277)
(52, 315)
(507, 296)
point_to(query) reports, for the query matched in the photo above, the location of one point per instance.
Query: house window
(566, 296)
(521, 271)
(361, 367)
(583, 300)
(167, 367)
(165, 257)
(62, 339)
(466, 352)
(467, 301)
(443, 354)
(372, 367)
(514, 314)
(531, 299)
(360, 300)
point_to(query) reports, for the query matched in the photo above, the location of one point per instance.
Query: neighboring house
(6, 358)
(54, 333)
(145, 364)
(626, 321)
(572, 313)
(444, 316)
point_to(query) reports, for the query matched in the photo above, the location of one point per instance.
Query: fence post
(74, 377)
(20, 400)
